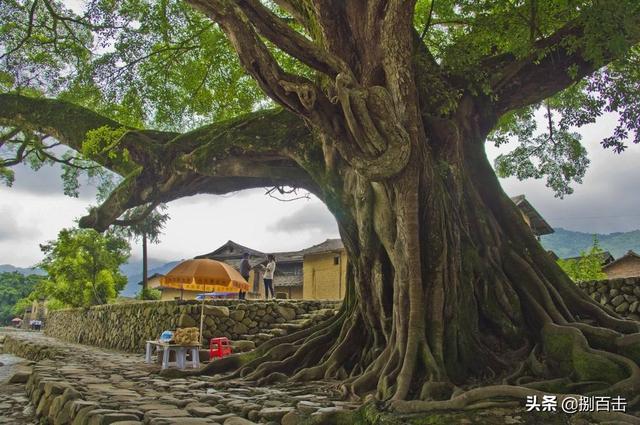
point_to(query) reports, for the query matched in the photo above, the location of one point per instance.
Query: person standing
(268, 276)
(245, 270)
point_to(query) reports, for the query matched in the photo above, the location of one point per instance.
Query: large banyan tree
(382, 109)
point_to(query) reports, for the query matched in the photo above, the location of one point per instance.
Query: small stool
(219, 347)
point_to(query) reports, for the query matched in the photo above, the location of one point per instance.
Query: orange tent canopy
(205, 275)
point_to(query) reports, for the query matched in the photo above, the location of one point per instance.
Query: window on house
(336, 260)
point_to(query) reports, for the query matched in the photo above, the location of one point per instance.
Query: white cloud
(608, 199)
(313, 217)
(46, 181)
(14, 226)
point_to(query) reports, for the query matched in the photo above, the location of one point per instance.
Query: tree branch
(295, 9)
(291, 91)
(295, 44)
(32, 13)
(555, 62)
(66, 122)
(428, 23)
(139, 218)
(260, 149)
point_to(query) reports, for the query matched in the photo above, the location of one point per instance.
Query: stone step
(289, 326)
(262, 336)
(278, 331)
(325, 311)
(321, 313)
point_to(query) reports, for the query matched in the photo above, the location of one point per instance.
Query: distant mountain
(133, 271)
(567, 243)
(8, 268)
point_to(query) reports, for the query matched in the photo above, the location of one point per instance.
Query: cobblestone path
(78, 384)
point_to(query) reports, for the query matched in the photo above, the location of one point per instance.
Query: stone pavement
(14, 404)
(77, 384)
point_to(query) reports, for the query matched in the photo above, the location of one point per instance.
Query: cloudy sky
(34, 210)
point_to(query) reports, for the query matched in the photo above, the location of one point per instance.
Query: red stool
(219, 347)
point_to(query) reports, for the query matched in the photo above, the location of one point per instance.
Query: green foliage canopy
(165, 65)
(145, 220)
(587, 267)
(83, 267)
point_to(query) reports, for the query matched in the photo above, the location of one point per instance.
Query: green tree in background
(83, 267)
(13, 288)
(144, 223)
(587, 267)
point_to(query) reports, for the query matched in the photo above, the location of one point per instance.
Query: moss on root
(631, 349)
(569, 350)
(373, 414)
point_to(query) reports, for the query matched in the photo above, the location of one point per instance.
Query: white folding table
(180, 350)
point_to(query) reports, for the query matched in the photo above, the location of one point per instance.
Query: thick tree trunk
(448, 290)
(144, 264)
(454, 290)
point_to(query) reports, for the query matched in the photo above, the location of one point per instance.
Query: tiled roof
(538, 224)
(237, 249)
(327, 246)
(281, 257)
(629, 254)
(605, 258)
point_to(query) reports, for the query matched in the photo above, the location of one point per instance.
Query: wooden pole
(201, 316)
(145, 279)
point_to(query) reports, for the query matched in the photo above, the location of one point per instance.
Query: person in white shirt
(268, 276)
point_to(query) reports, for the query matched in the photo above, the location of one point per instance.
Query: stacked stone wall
(127, 326)
(619, 295)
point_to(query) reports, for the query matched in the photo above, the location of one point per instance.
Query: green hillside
(14, 286)
(567, 243)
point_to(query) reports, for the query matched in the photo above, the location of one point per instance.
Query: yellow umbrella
(204, 275)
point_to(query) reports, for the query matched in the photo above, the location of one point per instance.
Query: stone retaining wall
(27, 350)
(127, 326)
(619, 295)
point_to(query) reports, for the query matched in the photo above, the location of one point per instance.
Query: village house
(626, 266)
(36, 311)
(286, 280)
(155, 282)
(532, 217)
(325, 271)
(604, 256)
(314, 273)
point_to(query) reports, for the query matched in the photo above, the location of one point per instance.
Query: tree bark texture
(450, 290)
(145, 278)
